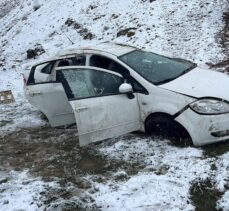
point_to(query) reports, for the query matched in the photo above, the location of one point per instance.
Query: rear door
(49, 96)
(101, 112)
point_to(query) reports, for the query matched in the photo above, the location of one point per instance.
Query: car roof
(108, 47)
(115, 49)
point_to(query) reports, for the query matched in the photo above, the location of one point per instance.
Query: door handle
(79, 109)
(31, 94)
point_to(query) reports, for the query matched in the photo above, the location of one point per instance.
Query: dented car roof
(106, 47)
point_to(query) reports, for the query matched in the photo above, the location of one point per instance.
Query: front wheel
(165, 126)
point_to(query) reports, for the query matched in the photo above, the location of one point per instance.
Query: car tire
(163, 125)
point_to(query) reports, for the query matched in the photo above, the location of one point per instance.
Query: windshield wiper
(187, 70)
(171, 79)
(166, 81)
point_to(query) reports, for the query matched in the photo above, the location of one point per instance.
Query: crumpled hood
(201, 83)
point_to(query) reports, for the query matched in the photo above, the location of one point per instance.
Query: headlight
(210, 106)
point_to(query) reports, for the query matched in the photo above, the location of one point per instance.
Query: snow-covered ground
(18, 191)
(174, 28)
(162, 185)
(165, 181)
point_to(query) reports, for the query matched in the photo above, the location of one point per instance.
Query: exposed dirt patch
(129, 32)
(7, 6)
(225, 34)
(215, 150)
(36, 51)
(204, 195)
(84, 32)
(224, 42)
(55, 155)
(50, 152)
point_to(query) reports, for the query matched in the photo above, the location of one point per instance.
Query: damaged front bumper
(205, 129)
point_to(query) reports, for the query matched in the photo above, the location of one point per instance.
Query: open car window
(73, 61)
(82, 83)
(107, 63)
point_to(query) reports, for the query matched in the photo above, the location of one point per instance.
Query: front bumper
(205, 129)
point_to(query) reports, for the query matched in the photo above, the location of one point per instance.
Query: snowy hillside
(187, 29)
(175, 28)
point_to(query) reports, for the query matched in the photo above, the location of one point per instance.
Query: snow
(194, 27)
(222, 180)
(223, 203)
(17, 115)
(222, 177)
(22, 192)
(163, 184)
(174, 28)
(145, 192)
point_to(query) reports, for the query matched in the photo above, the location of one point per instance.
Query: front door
(101, 112)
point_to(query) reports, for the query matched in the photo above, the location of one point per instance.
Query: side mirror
(125, 88)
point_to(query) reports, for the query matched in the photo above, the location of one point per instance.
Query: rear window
(46, 68)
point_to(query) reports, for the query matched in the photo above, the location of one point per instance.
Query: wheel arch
(154, 117)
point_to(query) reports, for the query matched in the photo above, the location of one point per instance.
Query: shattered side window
(85, 83)
(79, 83)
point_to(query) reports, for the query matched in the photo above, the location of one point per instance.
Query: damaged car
(111, 89)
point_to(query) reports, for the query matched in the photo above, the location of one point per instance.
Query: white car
(111, 89)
